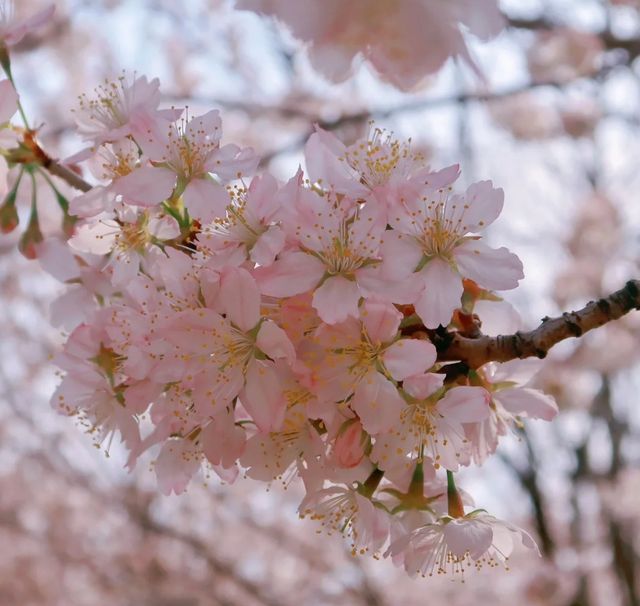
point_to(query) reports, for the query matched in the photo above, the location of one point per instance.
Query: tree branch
(67, 175)
(474, 352)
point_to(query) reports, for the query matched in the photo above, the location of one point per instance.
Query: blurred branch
(474, 352)
(66, 174)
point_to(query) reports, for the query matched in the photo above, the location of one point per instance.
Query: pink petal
(321, 153)
(400, 253)
(336, 300)
(441, 296)
(97, 238)
(92, 203)
(497, 269)
(206, 200)
(483, 204)
(381, 320)
(408, 357)
(175, 466)
(292, 274)
(223, 442)
(230, 162)
(263, 397)
(146, 186)
(465, 404)
(268, 246)
(527, 402)
(18, 31)
(164, 228)
(422, 386)
(205, 129)
(240, 297)
(377, 402)
(274, 342)
(464, 535)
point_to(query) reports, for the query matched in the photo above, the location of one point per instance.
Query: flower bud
(31, 238)
(8, 214)
(349, 447)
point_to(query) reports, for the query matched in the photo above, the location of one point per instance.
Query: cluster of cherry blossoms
(243, 326)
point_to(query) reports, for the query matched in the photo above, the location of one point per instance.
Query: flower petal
(494, 268)
(336, 300)
(441, 296)
(408, 357)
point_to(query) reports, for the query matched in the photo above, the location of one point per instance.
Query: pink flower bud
(8, 217)
(348, 449)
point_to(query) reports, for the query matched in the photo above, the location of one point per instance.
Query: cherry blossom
(402, 41)
(187, 153)
(119, 109)
(12, 30)
(431, 244)
(451, 545)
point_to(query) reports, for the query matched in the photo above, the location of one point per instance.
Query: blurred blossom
(564, 54)
(526, 117)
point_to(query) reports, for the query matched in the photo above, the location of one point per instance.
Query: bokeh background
(557, 125)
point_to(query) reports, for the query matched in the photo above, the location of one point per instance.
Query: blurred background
(557, 126)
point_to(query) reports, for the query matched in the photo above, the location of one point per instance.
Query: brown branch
(536, 343)
(66, 174)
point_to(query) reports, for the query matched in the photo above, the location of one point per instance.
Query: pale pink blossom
(432, 246)
(237, 351)
(364, 360)
(13, 30)
(188, 153)
(89, 388)
(120, 109)
(403, 41)
(131, 240)
(432, 425)
(451, 545)
(354, 516)
(336, 240)
(511, 401)
(377, 166)
(249, 223)
(118, 166)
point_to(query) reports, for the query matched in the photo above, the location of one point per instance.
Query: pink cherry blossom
(188, 153)
(12, 30)
(450, 545)
(132, 239)
(336, 240)
(249, 223)
(430, 244)
(403, 41)
(431, 425)
(345, 511)
(119, 165)
(351, 361)
(377, 166)
(120, 109)
(511, 401)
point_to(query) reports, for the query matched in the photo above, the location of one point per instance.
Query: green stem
(454, 501)
(6, 64)
(371, 483)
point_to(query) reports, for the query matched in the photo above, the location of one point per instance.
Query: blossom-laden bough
(317, 328)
